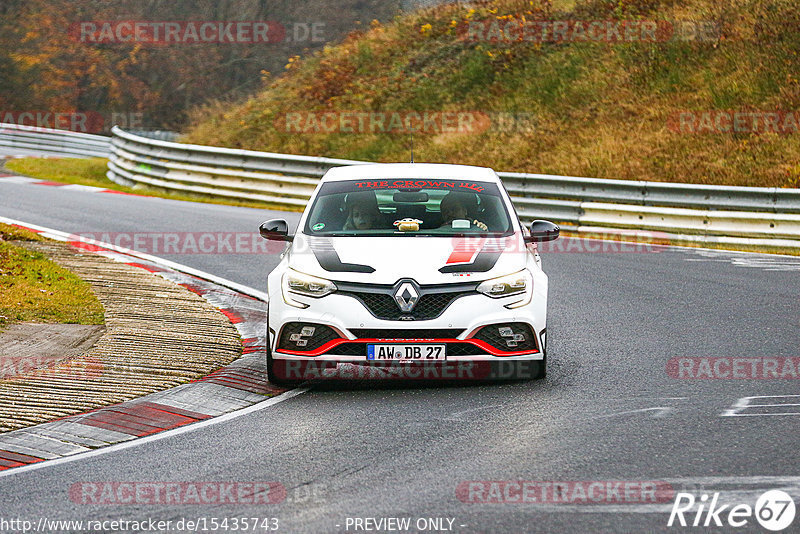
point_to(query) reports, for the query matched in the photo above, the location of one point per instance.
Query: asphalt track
(608, 410)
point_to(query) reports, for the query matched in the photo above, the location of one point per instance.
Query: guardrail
(243, 174)
(162, 135)
(734, 215)
(34, 140)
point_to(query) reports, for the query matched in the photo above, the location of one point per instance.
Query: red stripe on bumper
(336, 342)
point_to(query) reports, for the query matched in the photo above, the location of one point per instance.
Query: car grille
(360, 349)
(429, 305)
(392, 333)
(349, 349)
(463, 349)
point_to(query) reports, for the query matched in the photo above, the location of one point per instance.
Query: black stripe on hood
(329, 259)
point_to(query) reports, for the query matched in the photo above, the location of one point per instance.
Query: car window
(408, 207)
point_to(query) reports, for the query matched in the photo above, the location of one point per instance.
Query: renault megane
(404, 265)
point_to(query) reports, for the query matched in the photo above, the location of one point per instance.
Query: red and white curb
(17, 179)
(239, 385)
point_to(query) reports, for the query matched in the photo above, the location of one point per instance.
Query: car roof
(373, 171)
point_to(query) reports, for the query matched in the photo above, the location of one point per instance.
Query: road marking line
(744, 403)
(660, 411)
(81, 187)
(12, 179)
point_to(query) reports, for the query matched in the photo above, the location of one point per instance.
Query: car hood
(428, 260)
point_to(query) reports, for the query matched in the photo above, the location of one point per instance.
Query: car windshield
(428, 207)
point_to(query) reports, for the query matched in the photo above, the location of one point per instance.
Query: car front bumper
(457, 328)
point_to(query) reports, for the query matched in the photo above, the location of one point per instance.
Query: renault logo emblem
(406, 296)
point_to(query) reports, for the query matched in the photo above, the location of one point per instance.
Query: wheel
(272, 376)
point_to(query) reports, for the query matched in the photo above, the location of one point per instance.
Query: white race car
(419, 270)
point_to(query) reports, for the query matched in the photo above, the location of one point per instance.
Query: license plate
(406, 353)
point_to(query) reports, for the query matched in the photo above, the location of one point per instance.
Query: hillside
(697, 91)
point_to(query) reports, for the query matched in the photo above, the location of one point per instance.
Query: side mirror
(542, 231)
(275, 230)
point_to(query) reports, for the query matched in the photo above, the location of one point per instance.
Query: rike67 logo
(774, 511)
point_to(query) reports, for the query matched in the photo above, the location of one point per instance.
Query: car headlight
(520, 284)
(297, 283)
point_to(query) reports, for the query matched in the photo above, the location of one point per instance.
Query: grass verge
(33, 288)
(90, 171)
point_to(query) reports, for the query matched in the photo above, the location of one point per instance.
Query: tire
(271, 375)
(542, 371)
